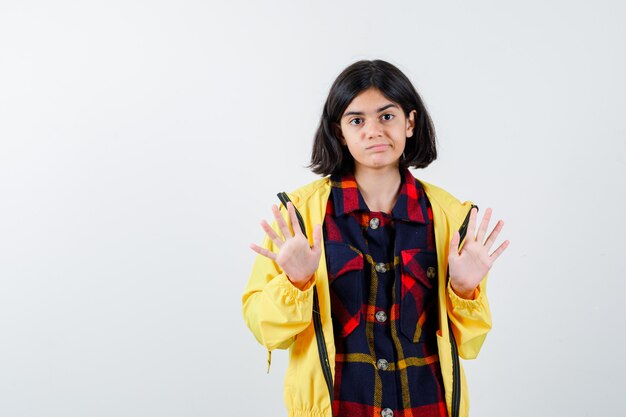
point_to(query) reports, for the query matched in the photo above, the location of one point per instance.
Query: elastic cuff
(462, 303)
(291, 292)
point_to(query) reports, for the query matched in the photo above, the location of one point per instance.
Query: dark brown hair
(329, 156)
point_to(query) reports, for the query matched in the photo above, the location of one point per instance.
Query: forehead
(369, 101)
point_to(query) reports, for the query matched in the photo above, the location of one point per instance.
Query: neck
(379, 188)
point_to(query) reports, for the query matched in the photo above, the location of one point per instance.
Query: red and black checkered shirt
(383, 281)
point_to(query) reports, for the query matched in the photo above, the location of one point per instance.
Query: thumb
(454, 245)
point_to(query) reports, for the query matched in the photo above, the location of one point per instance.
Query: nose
(374, 130)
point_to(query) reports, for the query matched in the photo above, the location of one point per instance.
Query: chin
(385, 162)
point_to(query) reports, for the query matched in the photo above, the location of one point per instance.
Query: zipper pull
(269, 360)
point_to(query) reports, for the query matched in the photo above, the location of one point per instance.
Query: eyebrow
(359, 113)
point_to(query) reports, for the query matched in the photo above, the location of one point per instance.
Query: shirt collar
(410, 206)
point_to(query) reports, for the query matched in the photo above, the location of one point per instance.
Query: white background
(142, 141)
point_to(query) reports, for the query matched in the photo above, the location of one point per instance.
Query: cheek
(352, 148)
(401, 144)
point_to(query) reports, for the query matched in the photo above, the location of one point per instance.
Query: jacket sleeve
(470, 320)
(273, 308)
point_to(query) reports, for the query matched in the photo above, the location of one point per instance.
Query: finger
(295, 224)
(491, 239)
(471, 226)
(317, 238)
(496, 253)
(271, 233)
(454, 245)
(263, 251)
(484, 224)
(282, 225)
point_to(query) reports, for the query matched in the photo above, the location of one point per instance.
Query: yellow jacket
(280, 315)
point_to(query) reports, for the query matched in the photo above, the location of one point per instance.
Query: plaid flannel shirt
(382, 273)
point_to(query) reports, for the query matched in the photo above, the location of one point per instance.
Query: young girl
(371, 290)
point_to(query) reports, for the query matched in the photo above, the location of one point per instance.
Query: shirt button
(381, 267)
(381, 316)
(382, 364)
(374, 223)
(431, 272)
(387, 412)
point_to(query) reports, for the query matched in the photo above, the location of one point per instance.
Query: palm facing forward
(296, 258)
(470, 266)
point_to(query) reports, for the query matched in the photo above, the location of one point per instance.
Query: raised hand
(468, 267)
(295, 257)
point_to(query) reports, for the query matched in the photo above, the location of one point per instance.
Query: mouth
(378, 147)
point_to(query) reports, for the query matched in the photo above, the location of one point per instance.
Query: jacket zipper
(456, 366)
(321, 346)
(317, 320)
(456, 376)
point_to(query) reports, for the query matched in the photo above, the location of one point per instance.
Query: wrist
(300, 284)
(465, 293)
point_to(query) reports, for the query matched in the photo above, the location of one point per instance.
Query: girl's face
(375, 129)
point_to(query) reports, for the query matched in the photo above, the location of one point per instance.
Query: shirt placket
(379, 238)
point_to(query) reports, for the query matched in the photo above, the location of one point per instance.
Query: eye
(387, 116)
(356, 121)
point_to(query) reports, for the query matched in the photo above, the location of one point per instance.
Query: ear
(410, 123)
(338, 134)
